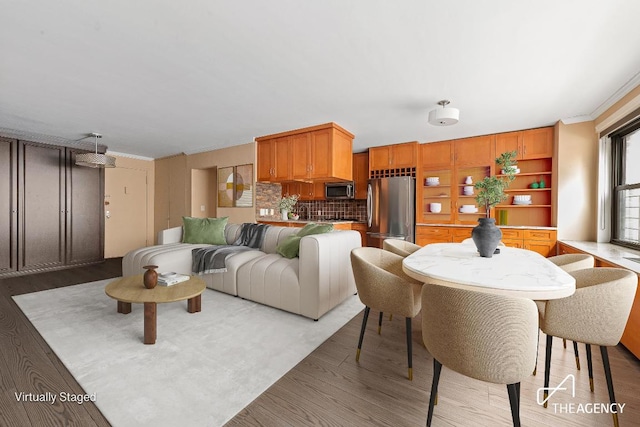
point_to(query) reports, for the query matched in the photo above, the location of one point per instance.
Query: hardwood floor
(27, 363)
(328, 388)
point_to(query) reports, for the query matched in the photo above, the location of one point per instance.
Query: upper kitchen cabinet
(530, 144)
(435, 155)
(393, 156)
(274, 160)
(477, 151)
(318, 153)
(360, 174)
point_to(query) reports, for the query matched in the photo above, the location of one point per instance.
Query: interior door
(126, 211)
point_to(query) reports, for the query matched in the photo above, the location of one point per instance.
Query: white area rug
(204, 367)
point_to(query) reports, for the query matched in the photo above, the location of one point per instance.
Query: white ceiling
(161, 77)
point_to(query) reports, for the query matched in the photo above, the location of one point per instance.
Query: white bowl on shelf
(516, 172)
(468, 190)
(522, 198)
(435, 207)
(432, 180)
(468, 209)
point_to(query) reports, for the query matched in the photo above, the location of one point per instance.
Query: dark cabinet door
(41, 206)
(8, 208)
(85, 217)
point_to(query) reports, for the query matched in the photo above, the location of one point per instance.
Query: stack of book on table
(170, 278)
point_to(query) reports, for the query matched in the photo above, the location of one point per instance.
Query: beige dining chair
(400, 247)
(596, 314)
(485, 336)
(383, 286)
(569, 263)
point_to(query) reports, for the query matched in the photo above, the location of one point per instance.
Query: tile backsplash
(268, 195)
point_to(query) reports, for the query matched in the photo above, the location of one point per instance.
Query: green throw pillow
(313, 228)
(290, 246)
(204, 230)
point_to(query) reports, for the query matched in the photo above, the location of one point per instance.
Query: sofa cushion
(204, 230)
(290, 246)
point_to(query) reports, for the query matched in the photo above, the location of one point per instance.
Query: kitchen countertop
(608, 252)
(523, 227)
(306, 221)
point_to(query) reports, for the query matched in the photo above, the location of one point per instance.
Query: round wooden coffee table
(128, 290)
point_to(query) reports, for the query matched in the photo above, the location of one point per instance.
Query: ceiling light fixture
(445, 116)
(95, 160)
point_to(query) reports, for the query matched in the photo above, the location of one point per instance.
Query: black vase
(486, 236)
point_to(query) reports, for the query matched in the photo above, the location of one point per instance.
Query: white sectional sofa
(309, 285)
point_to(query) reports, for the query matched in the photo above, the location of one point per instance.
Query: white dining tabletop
(514, 271)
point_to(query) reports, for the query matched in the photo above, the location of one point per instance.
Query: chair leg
(364, 326)
(514, 400)
(589, 366)
(409, 348)
(547, 368)
(390, 317)
(380, 323)
(575, 351)
(564, 343)
(437, 367)
(535, 368)
(607, 375)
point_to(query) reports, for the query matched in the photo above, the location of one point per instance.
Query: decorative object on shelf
(502, 216)
(468, 190)
(150, 277)
(542, 184)
(95, 159)
(534, 185)
(294, 216)
(445, 116)
(486, 236)
(522, 199)
(435, 207)
(468, 180)
(516, 171)
(432, 181)
(286, 205)
(468, 209)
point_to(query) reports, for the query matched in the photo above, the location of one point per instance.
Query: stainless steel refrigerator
(390, 209)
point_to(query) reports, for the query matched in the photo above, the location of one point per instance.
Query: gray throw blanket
(213, 259)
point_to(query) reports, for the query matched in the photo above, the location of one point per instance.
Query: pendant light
(445, 116)
(95, 160)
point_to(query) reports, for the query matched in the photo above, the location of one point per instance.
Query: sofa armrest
(170, 235)
(326, 275)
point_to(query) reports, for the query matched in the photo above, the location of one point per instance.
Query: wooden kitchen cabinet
(530, 144)
(361, 227)
(631, 335)
(436, 155)
(393, 156)
(477, 151)
(322, 152)
(273, 160)
(306, 190)
(360, 175)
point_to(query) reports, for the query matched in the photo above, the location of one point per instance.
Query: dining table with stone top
(513, 272)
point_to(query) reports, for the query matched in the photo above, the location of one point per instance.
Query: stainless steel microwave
(339, 190)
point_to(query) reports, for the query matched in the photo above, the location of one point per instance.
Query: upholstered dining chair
(485, 336)
(383, 286)
(596, 314)
(569, 263)
(400, 247)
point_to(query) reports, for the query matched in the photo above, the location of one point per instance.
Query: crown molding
(131, 156)
(617, 96)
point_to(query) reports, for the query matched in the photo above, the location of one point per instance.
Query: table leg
(124, 307)
(150, 322)
(194, 305)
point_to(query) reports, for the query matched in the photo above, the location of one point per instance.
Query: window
(626, 190)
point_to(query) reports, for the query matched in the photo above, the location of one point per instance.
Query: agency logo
(568, 385)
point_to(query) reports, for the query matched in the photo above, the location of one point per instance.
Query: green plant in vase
(286, 204)
(491, 190)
